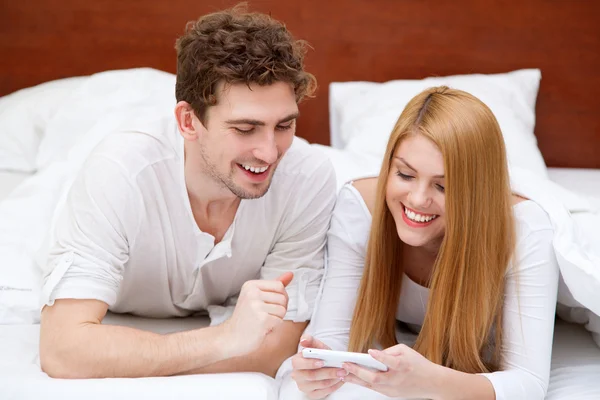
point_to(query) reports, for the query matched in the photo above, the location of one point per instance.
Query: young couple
(220, 201)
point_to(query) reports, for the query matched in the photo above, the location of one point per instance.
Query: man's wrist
(225, 341)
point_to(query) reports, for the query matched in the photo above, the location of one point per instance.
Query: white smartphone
(335, 359)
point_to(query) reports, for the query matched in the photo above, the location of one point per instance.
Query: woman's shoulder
(367, 190)
(530, 217)
(351, 214)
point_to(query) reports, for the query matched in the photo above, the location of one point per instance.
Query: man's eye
(244, 131)
(284, 127)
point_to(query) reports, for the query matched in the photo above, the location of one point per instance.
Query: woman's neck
(418, 262)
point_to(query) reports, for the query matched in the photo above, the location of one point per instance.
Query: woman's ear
(185, 115)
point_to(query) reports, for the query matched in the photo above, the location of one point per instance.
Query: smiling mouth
(254, 170)
(418, 218)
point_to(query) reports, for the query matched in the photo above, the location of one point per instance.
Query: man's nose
(267, 150)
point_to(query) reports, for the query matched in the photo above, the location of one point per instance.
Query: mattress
(22, 378)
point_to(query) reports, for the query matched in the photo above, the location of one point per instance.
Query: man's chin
(251, 191)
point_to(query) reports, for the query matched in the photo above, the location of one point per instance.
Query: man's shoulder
(303, 161)
(305, 179)
(137, 146)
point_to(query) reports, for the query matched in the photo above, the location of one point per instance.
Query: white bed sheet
(574, 374)
(9, 181)
(22, 378)
(575, 364)
(575, 368)
(579, 180)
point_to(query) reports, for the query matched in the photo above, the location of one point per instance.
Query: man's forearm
(276, 348)
(104, 351)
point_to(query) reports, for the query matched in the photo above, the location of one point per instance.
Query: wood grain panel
(374, 40)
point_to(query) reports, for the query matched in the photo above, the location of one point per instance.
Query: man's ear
(185, 115)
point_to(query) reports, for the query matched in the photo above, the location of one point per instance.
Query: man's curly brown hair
(235, 46)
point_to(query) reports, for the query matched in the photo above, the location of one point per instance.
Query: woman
(448, 250)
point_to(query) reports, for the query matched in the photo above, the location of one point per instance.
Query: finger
(275, 310)
(270, 286)
(388, 359)
(322, 393)
(310, 342)
(321, 374)
(306, 341)
(309, 386)
(273, 298)
(397, 350)
(300, 362)
(286, 278)
(363, 373)
(357, 381)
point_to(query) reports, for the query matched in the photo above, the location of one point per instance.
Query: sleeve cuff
(302, 293)
(58, 286)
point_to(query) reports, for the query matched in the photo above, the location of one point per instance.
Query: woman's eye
(405, 177)
(440, 188)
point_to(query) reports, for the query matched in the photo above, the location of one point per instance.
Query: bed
(351, 41)
(575, 358)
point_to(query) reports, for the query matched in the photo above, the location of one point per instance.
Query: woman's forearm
(455, 385)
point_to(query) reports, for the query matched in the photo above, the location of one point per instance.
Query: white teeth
(418, 217)
(256, 170)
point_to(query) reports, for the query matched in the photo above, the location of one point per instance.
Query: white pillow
(363, 114)
(98, 99)
(23, 118)
(348, 165)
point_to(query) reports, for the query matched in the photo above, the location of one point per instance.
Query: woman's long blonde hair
(467, 282)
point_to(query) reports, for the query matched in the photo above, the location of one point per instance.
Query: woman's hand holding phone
(312, 378)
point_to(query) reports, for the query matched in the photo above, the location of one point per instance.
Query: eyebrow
(256, 122)
(411, 167)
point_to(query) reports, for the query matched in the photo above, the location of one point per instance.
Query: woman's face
(415, 192)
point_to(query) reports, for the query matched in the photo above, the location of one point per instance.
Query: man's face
(245, 136)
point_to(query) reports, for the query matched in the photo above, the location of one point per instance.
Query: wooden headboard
(375, 40)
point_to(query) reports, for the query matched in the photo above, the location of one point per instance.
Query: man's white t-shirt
(127, 235)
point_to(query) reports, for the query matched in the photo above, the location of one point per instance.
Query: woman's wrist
(440, 378)
(449, 384)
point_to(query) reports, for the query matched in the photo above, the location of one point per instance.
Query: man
(176, 214)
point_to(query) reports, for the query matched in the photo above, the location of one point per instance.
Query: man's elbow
(272, 360)
(58, 364)
(53, 366)
(271, 365)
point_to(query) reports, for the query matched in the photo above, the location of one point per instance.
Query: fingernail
(342, 373)
(319, 364)
(373, 351)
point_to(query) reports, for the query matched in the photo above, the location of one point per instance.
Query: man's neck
(209, 199)
(213, 210)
